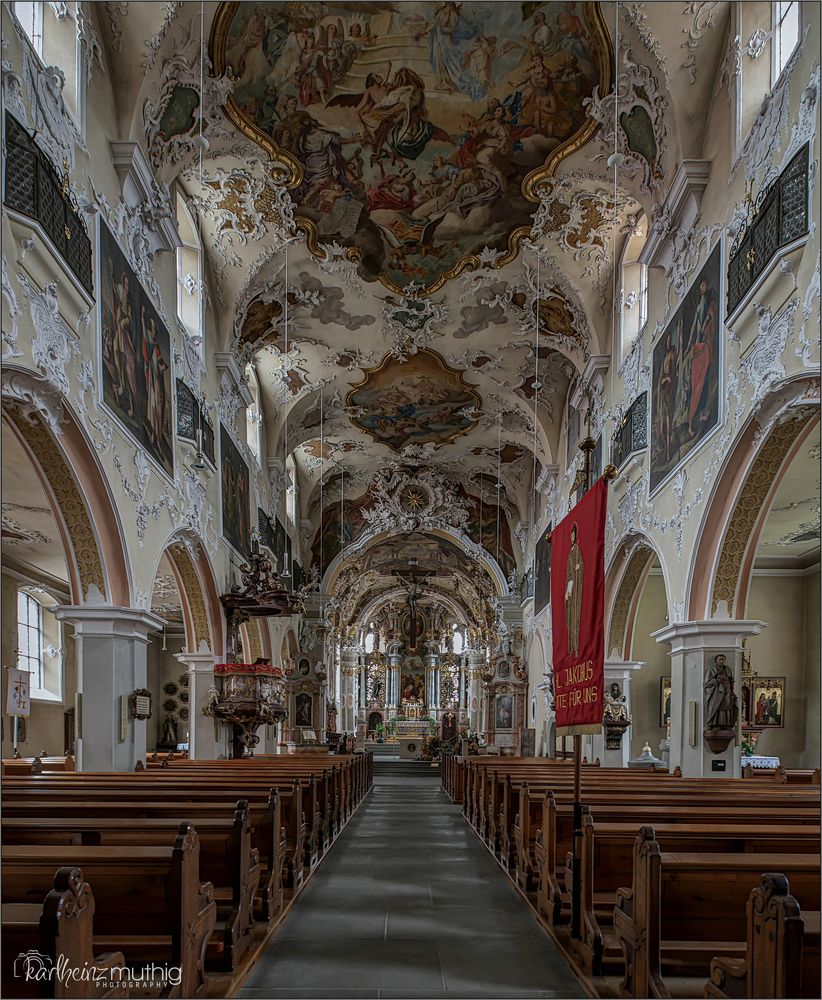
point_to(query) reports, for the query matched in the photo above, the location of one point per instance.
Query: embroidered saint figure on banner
(573, 592)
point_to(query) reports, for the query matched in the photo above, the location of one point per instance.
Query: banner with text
(578, 614)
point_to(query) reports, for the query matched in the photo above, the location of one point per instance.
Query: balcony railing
(632, 433)
(781, 217)
(34, 189)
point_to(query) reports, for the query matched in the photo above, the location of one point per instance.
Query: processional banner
(578, 614)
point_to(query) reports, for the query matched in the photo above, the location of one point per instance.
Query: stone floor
(409, 904)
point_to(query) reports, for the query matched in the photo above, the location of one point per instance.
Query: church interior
(410, 499)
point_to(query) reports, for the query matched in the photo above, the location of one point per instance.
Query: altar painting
(414, 132)
(421, 401)
(504, 711)
(686, 374)
(412, 680)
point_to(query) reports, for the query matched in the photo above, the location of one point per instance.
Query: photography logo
(34, 966)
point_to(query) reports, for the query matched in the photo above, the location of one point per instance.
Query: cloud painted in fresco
(330, 306)
(480, 316)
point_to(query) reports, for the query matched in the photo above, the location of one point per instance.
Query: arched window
(291, 492)
(634, 313)
(38, 643)
(253, 414)
(56, 37)
(369, 641)
(190, 299)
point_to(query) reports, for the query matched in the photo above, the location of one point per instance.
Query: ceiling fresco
(414, 134)
(419, 401)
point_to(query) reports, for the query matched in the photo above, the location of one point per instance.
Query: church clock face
(415, 499)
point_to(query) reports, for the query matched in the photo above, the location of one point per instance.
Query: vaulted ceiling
(366, 190)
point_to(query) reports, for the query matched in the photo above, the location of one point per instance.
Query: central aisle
(409, 904)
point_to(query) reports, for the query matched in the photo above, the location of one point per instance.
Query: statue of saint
(573, 593)
(721, 703)
(615, 708)
(169, 732)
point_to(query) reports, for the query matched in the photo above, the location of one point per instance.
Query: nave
(410, 904)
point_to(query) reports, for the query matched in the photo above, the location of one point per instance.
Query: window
(457, 642)
(38, 644)
(30, 16)
(51, 28)
(369, 642)
(291, 492)
(634, 313)
(190, 300)
(253, 413)
(29, 626)
(786, 31)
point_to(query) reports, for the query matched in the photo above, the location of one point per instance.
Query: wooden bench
(62, 929)
(149, 901)
(683, 909)
(37, 765)
(782, 949)
(227, 860)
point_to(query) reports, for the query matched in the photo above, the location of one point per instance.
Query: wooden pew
(150, 903)
(62, 929)
(607, 853)
(782, 949)
(683, 909)
(227, 860)
(37, 765)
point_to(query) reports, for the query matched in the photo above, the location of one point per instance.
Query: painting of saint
(303, 710)
(686, 374)
(413, 131)
(573, 592)
(542, 571)
(504, 711)
(236, 494)
(421, 401)
(136, 355)
(768, 696)
(412, 680)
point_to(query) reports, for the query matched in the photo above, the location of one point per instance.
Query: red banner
(578, 614)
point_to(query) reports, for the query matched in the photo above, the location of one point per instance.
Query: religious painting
(767, 702)
(542, 571)
(235, 487)
(303, 710)
(494, 526)
(685, 405)
(414, 134)
(412, 680)
(665, 690)
(136, 379)
(503, 670)
(504, 711)
(419, 401)
(339, 528)
(304, 668)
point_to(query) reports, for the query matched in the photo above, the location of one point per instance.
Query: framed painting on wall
(765, 707)
(135, 355)
(664, 701)
(504, 711)
(235, 489)
(685, 397)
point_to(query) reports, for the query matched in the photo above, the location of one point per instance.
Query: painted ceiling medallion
(414, 499)
(414, 134)
(420, 401)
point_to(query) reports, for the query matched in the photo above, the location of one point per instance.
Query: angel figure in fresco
(573, 593)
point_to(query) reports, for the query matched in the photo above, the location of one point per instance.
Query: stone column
(202, 741)
(621, 672)
(694, 646)
(111, 663)
(348, 667)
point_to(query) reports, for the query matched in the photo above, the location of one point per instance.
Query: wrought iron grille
(781, 217)
(632, 433)
(191, 417)
(34, 189)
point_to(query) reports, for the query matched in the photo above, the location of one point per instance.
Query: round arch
(623, 589)
(742, 498)
(370, 538)
(66, 465)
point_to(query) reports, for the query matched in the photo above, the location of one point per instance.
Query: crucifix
(413, 583)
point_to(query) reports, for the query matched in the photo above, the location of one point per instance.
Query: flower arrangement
(749, 741)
